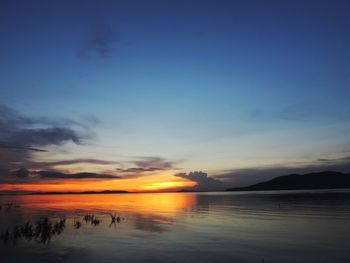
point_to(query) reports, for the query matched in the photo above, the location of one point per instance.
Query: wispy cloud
(22, 131)
(137, 170)
(59, 175)
(346, 158)
(303, 111)
(4, 146)
(77, 161)
(21, 136)
(28, 175)
(53, 164)
(98, 42)
(145, 166)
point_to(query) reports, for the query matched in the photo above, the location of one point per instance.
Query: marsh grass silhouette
(88, 218)
(44, 229)
(59, 226)
(5, 236)
(40, 231)
(95, 221)
(77, 224)
(114, 219)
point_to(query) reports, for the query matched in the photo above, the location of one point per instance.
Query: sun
(161, 186)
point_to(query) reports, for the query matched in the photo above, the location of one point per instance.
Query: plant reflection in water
(44, 229)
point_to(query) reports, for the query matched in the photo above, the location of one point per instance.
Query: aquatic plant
(113, 217)
(88, 218)
(27, 231)
(77, 224)
(44, 229)
(5, 236)
(95, 221)
(41, 231)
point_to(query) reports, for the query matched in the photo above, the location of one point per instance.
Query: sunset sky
(170, 95)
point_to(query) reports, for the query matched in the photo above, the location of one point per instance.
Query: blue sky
(210, 85)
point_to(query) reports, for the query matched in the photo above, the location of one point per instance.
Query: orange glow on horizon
(148, 183)
(158, 186)
(163, 204)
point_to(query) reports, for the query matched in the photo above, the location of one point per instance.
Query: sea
(265, 226)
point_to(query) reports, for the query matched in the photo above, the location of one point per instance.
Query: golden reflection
(161, 203)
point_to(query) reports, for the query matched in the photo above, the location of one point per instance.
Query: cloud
(59, 175)
(18, 130)
(76, 161)
(204, 182)
(50, 166)
(137, 170)
(248, 176)
(21, 148)
(43, 137)
(25, 176)
(99, 42)
(146, 165)
(20, 136)
(154, 162)
(347, 158)
(21, 173)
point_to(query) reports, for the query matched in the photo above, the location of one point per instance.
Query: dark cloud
(25, 176)
(155, 163)
(334, 160)
(21, 148)
(146, 165)
(137, 170)
(204, 182)
(20, 136)
(99, 41)
(21, 173)
(43, 137)
(76, 161)
(248, 176)
(18, 130)
(59, 175)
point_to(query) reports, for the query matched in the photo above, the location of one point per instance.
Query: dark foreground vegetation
(44, 229)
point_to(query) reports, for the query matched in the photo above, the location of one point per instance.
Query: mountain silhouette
(321, 180)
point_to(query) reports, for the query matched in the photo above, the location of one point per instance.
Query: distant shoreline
(66, 193)
(80, 193)
(328, 180)
(312, 181)
(220, 192)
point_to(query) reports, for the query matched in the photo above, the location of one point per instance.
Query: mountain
(322, 180)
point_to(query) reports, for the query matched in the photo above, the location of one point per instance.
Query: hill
(322, 180)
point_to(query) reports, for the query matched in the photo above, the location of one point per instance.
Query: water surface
(282, 226)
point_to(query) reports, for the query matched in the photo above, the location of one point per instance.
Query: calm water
(288, 226)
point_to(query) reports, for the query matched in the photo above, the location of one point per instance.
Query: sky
(170, 95)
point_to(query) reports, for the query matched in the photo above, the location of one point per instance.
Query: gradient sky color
(241, 90)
